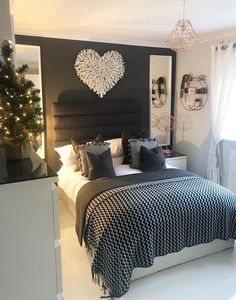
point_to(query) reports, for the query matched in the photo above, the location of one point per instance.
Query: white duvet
(71, 181)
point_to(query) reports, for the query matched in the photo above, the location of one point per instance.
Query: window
(229, 125)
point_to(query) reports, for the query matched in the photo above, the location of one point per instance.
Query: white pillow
(117, 161)
(116, 147)
(67, 155)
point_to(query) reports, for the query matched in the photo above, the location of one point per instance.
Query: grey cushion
(92, 148)
(135, 145)
(76, 144)
(100, 166)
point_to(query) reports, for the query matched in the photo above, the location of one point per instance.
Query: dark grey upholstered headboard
(83, 120)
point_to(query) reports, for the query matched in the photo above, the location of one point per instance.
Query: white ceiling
(122, 21)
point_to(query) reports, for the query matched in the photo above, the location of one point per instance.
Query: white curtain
(223, 75)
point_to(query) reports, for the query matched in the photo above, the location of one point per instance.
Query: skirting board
(169, 260)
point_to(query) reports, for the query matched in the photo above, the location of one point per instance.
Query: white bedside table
(177, 160)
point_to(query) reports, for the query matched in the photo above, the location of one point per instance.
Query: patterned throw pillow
(76, 150)
(134, 148)
(76, 144)
(94, 148)
(100, 166)
(152, 159)
(126, 136)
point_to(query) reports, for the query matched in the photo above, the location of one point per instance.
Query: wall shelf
(193, 92)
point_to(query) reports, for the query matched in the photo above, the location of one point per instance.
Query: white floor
(209, 278)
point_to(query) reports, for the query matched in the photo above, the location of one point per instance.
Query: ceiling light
(183, 37)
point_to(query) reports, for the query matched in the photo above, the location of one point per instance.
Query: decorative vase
(16, 152)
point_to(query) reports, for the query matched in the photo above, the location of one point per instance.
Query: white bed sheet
(71, 181)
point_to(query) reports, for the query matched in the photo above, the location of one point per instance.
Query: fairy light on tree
(21, 115)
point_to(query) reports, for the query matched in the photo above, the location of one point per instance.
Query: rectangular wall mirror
(30, 55)
(160, 98)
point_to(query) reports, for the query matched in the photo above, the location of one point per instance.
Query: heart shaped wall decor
(99, 73)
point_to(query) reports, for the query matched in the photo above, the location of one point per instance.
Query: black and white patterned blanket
(128, 226)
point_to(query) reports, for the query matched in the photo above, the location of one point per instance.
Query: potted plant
(21, 117)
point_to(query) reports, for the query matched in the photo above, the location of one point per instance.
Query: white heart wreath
(99, 73)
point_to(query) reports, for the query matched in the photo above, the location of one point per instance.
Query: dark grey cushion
(100, 165)
(126, 136)
(135, 150)
(152, 159)
(96, 148)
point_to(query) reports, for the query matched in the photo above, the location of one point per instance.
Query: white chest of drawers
(30, 258)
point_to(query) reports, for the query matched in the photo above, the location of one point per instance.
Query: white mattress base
(70, 204)
(187, 254)
(169, 260)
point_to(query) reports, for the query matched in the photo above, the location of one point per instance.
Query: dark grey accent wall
(60, 81)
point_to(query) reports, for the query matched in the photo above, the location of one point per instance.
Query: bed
(83, 121)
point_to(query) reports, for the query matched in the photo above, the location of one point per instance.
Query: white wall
(194, 141)
(6, 24)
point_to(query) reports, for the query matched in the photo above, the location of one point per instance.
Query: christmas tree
(21, 116)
